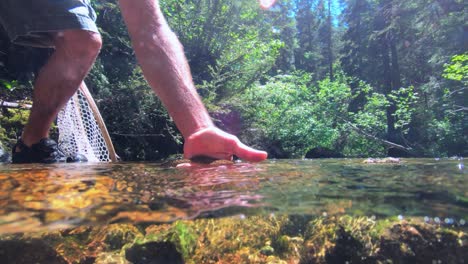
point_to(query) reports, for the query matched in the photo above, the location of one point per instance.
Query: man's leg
(58, 80)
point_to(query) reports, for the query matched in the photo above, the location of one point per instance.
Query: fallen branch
(14, 105)
(460, 108)
(383, 141)
(138, 135)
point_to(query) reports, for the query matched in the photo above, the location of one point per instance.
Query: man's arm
(165, 67)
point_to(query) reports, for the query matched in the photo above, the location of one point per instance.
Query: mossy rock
(154, 253)
(180, 235)
(341, 239)
(407, 242)
(115, 236)
(111, 257)
(363, 240)
(253, 239)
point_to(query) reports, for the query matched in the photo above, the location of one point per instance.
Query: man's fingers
(249, 154)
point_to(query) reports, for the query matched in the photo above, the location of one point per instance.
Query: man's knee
(79, 44)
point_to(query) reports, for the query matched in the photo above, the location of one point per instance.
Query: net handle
(97, 115)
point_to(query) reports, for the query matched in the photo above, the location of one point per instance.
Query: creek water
(48, 197)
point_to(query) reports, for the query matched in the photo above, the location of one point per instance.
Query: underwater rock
(111, 258)
(154, 253)
(289, 248)
(235, 239)
(361, 240)
(181, 234)
(423, 243)
(115, 236)
(295, 224)
(258, 239)
(347, 249)
(85, 244)
(319, 240)
(28, 251)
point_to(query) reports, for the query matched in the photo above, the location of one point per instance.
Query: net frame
(82, 129)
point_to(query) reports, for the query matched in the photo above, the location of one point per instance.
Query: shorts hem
(35, 33)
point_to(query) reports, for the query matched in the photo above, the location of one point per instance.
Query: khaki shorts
(32, 22)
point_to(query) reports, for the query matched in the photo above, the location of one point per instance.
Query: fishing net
(80, 130)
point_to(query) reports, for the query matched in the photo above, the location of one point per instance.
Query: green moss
(183, 237)
(180, 234)
(11, 123)
(321, 227)
(281, 244)
(267, 250)
(320, 238)
(382, 225)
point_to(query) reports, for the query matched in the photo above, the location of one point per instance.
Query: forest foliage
(306, 78)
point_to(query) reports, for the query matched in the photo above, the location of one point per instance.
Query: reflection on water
(36, 197)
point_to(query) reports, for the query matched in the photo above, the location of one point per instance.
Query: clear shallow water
(44, 197)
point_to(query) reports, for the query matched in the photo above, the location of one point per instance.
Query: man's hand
(215, 143)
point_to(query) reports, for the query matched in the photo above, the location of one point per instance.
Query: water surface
(44, 197)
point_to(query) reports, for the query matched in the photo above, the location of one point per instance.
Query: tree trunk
(387, 89)
(330, 44)
(392, 76)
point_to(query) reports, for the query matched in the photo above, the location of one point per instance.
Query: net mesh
(79, 132)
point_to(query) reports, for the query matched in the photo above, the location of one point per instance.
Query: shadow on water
(278, 211)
